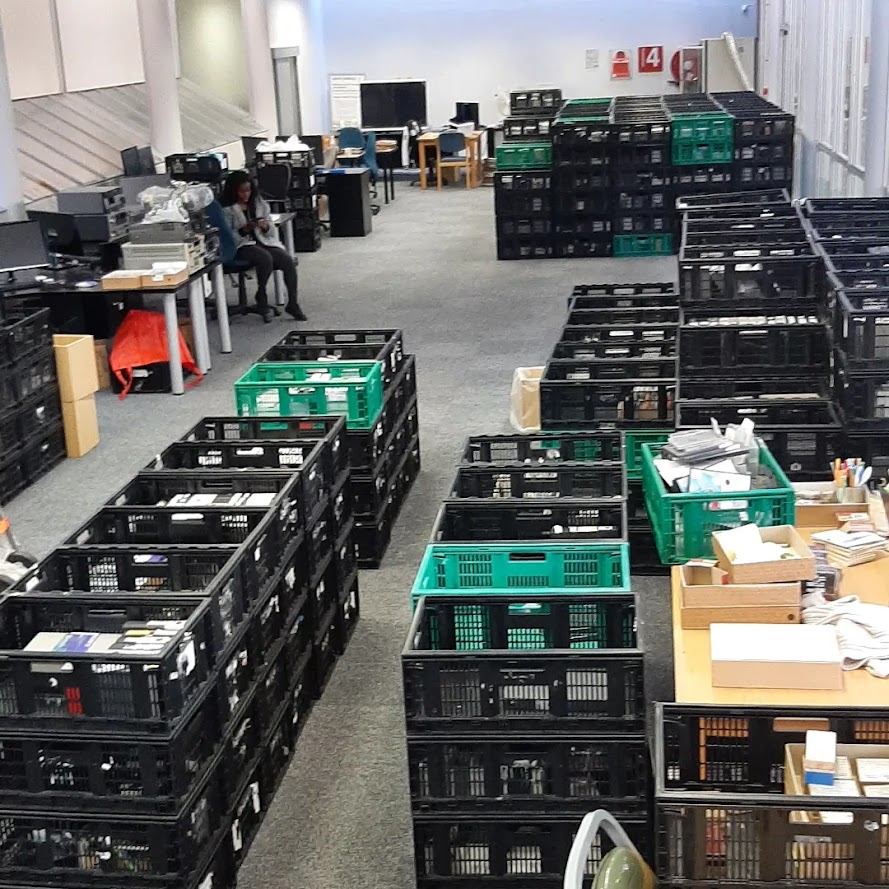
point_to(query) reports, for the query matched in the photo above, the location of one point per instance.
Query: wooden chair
(450, 144)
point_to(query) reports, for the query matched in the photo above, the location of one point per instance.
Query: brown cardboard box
(824, 515)
(782, 571)
(774, 656)
(81, 425)
(525, 399)
(122, 280)
(187, 332)
(103, 370)
(705, 601)
(75, 366)
(163, 279)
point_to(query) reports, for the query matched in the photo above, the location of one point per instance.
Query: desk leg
(438, 164)
(198, 312)
(392, 183)
(386, 174)
(225, 334)
(421, 159)
(177, 382)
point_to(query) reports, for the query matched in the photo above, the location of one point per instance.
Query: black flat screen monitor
(466, 112)
(146, 161)
(22, 247)
(249, 143)
(393, 104)
(131, 162)
(59, 232)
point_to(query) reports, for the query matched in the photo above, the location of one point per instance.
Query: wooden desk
(473, 147)
(691, 656)
(348, 156)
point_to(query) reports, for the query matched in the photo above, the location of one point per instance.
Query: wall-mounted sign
(620, 64)
(651, 59)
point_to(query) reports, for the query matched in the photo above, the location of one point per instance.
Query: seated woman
(257, 241)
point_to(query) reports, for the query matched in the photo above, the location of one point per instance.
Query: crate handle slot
(800, 724)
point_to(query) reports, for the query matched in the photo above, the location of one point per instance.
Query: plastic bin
(353, 388)
(643, 245)
(613, 364)
(535, 101)
(633, 441)
(683, 523)
(23, 331)
(525, 156)
(528, 774)
(503, 569)
(544, 447)
(579, 666)
(863, 400)
(639, 355)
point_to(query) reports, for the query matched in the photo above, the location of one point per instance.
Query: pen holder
(852, 495)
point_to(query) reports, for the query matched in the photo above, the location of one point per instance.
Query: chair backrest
(273, 181)
(216, 218)
(370, 154)
(350, 137)
(452, 142)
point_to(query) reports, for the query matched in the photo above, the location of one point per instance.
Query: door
(285, 64)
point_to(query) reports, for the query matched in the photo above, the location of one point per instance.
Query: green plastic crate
(642, 245)
(527, 156)
(507, 568)
(633, 441)
(353, 388)
(682, 523)
(591, 625)
(707, 138)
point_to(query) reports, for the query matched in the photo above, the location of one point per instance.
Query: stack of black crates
(385, 460)
(614, 168)
(301, 195)
(852, 234)
(614, 366)
(523, 677)
(158, 667)
(32, 440)
(754, 338)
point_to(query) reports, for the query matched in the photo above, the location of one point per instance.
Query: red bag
(141, 340)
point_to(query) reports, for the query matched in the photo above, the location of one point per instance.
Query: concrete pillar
(11, 198)
(260, 74)
(159, 61)
(875, 137)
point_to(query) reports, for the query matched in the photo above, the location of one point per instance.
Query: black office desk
(348, 196)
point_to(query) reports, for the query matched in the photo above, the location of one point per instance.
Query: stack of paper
(845, 549)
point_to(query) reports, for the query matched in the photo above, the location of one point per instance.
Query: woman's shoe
(267, 315)
(296, 312)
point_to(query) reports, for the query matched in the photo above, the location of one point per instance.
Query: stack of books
(845, 549)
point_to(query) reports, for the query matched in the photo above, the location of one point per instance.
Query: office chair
(370, 161)
(273, 182)
(450, 144)
(350, 137)
(231, 265)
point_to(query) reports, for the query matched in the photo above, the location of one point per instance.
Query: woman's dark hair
(232, 184)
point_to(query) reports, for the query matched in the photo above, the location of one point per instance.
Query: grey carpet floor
(341, 817)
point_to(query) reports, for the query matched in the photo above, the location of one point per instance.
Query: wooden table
(473, 146)
(348, 156)
(691, 655)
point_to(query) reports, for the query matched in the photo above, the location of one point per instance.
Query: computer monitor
(467, 112)
(59, 232)
(146, 161)
(391, 104)
(22, 247)
(131, 162)
(249, 144)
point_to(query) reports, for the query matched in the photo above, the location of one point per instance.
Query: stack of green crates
(683, 523)
(525, 156)
(304, 388)
(703, 138)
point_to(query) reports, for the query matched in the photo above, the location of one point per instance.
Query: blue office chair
(350, 137)
(231, 265)
(451, 143)
(370, 157)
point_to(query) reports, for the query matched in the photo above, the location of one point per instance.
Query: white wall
(31, 49)
(301, 23)
(468, 50)
(100, 43)
(211, 48)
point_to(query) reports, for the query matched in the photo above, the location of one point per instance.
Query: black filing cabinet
(348, 194)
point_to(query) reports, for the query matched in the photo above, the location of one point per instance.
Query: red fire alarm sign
(620, 64)
(651, 59)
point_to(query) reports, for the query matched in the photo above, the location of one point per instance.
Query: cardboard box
(525, 399)
(103, 369)
(782, 571)
(123, 280)
(824, 515)
(771, 656)
(75, 366)
(187, 332)
(81, 425)
(163, 278)
(706, 600)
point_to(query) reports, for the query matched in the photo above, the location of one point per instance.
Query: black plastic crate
(522, 203)
(345, 557)
(577, 246)
(569, 404)
(510, 227)
(349, 345)
(630, 155)
(307, 241)
(22, 331)
(611, 367)
(39, 416)
(285, 604)
(348, 613)
(503, 853)
(28, 377)
(527, 129)
(816, 207)
(873, 450)
(533, 483)
(695, 180)
(12, 476)
(526, 247)
(642, 177)
(620, 349)
(332, 429)
(323, 590)
(307, 457)
(752, 154)
(645, 561)
(863, 400)
(508, 183)
(577, 226)
(737, 226)
(485, 664)
(574, 178)
(591, 296)
(532, 774)
(861, 279)
(74, 677)
(768, 402)
(536, 101)
(372, 536)
(768, 196)
(341, 502)
(659, 200)
(788, 241)
(712, 346)
(618, 317)
(324, 651)
(544, 448)
(628, 222)
(42, 452)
